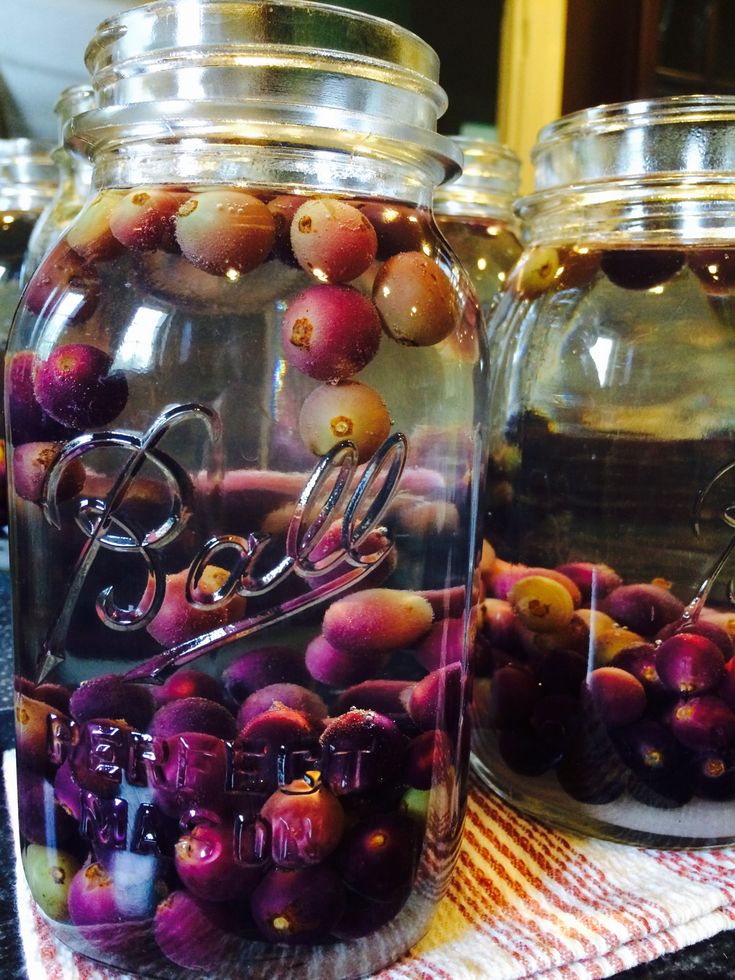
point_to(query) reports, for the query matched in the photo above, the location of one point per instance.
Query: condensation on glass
(246, 397)
(604, 700)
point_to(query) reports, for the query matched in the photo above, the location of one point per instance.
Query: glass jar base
(338, 961)
(697, 824)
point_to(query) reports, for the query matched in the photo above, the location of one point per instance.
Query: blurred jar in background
(474, 212)
(27, 184)
(74, 182)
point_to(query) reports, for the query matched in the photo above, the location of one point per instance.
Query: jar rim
(314, 67)
(611, 116)
(488, 183)
(686, 134)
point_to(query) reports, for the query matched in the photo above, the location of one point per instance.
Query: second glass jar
(606, 695)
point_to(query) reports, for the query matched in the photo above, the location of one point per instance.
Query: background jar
(27, 183)
(74, 175)
(605, 642)
(475, 214)
(246, 405)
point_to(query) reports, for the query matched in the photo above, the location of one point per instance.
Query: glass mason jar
(475, 214)
(246, 398)
(27, 183)
(74, 175)
(606, 692)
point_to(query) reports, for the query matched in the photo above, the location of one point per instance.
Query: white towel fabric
(524, 901)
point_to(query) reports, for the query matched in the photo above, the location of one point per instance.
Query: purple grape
(398, 228)
(415, 300)
(143, 220)
(615, 696)
(298, 906)
(262, 667)
(207, 864)
(31, 731)
(690, 664)
(712, 775)
(556, 719)
(726, 688)
(225, 231)
(703, 723)
(289, 695)
(179, 620)
(377, 857)
(641, 268)
(75, 387)
(647, 746)
(525, 752)
(643, 608)
(332, 240)
(590, 770)
(109, 696)
(70, 781)
(189, 683)
(28, 421)
(715, 269)
(95, 899)
(361, 751)
(444, 644)
(306, 823)
(330, 332)
(387, 696)
(193, 933)
(640, 661)
(192, 773)
(193, 715)
(427, 759)
(513, 692)
(593, 579)
(340, 668)
(31, 464)
(283, 207)
(278, 725)
(702, 627)
(90, 235)
(56, 695)
(436, 700)
(446, 603)
(63, 273)
(377, 619)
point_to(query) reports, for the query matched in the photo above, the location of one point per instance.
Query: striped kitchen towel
(524, 901)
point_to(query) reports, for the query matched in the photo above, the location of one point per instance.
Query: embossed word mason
(328, 491)
(144, 784)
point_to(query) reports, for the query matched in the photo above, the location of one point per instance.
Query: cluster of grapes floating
(331, 330)
(545, 268)
(342, 844)
(606, 684)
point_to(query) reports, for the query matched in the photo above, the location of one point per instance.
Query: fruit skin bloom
(330, 332)
(347, 410)
(225, 232)
(415, 299)
(332, 240)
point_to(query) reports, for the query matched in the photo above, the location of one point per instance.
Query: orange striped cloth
(524, 901)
